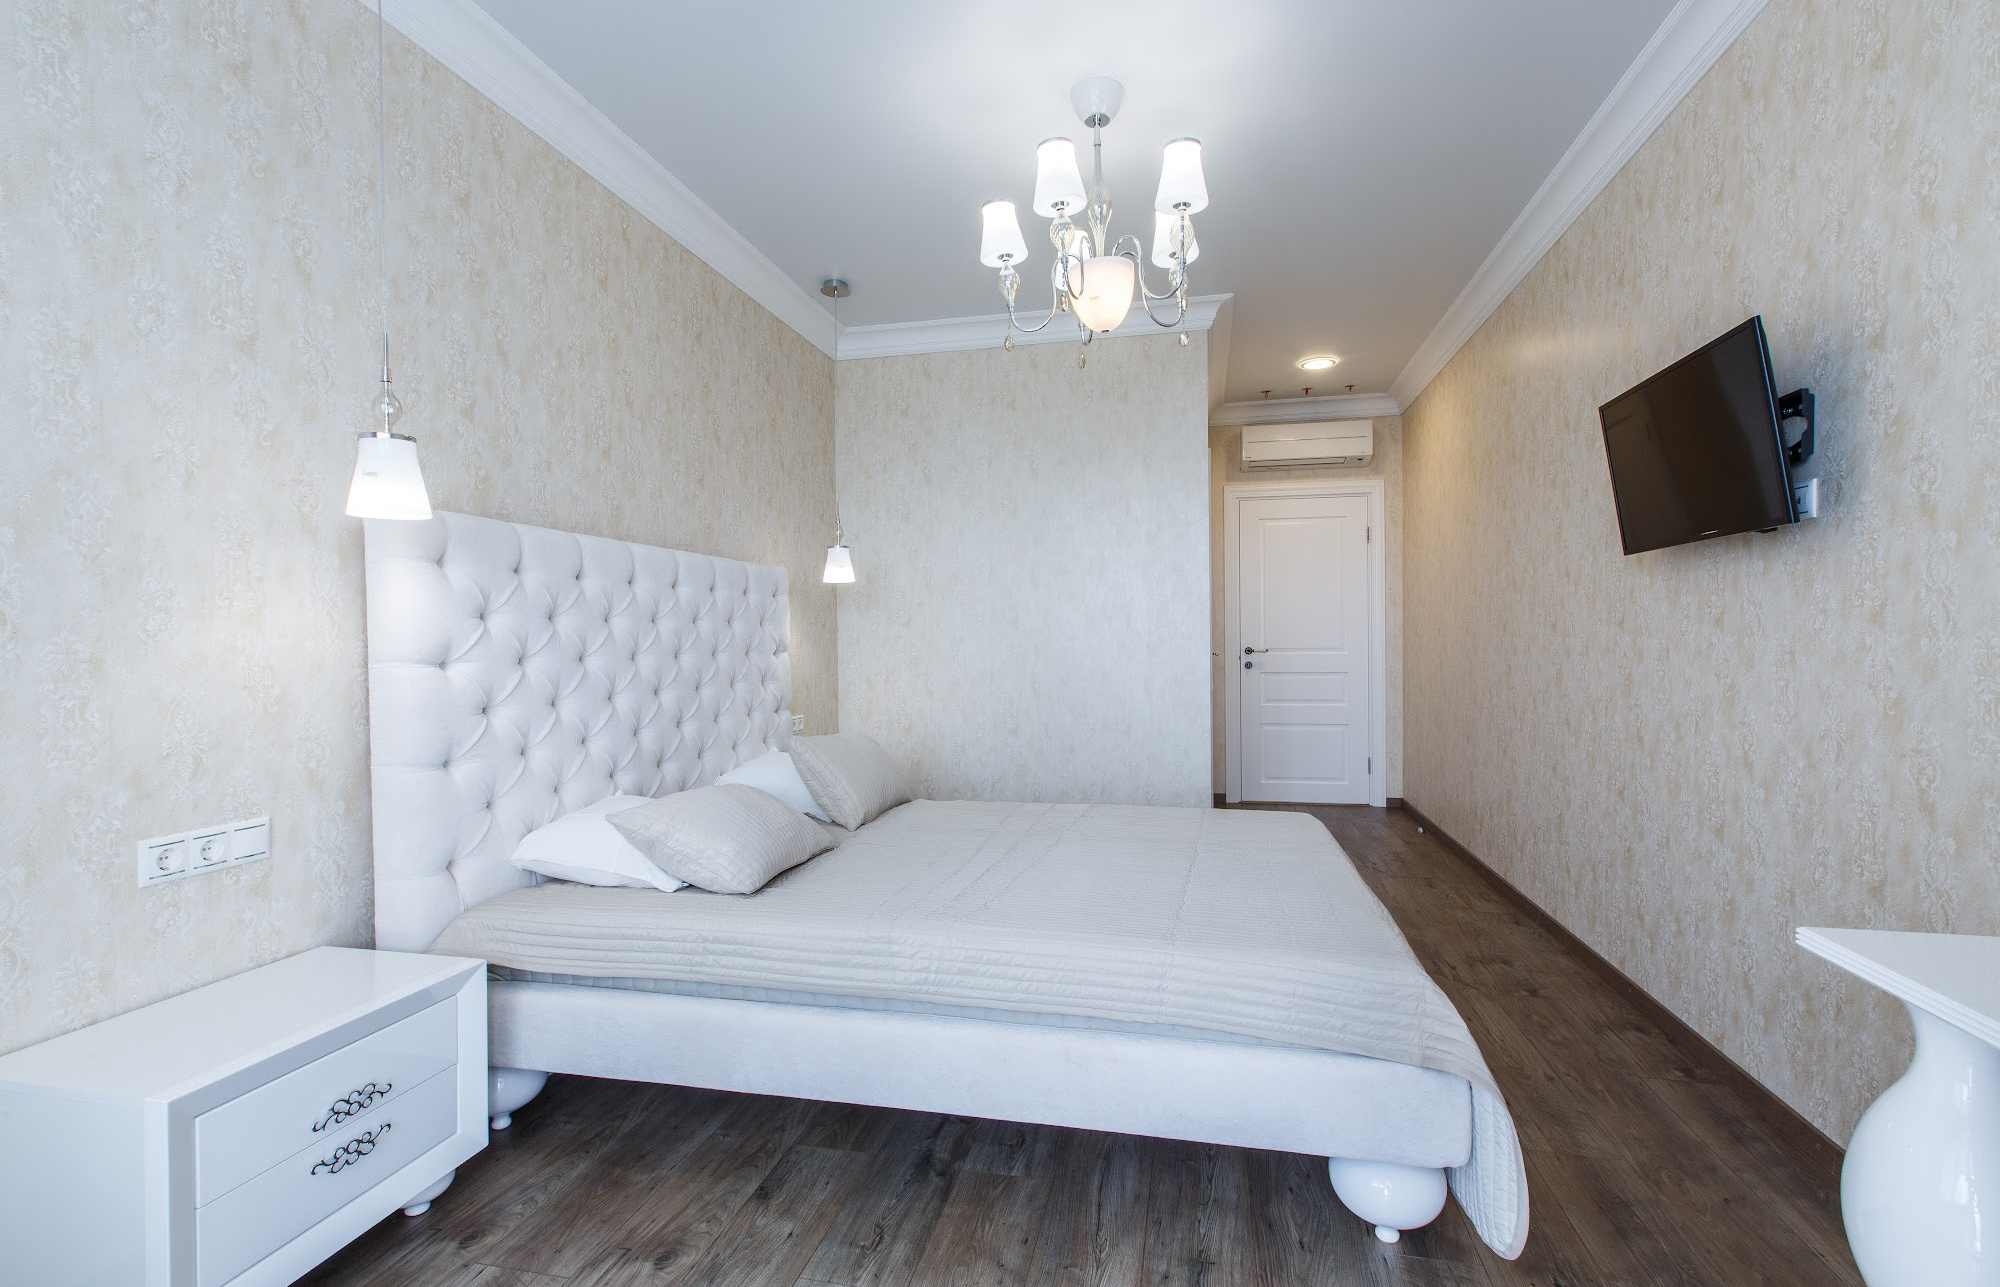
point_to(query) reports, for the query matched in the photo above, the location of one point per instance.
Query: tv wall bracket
(1798, 405)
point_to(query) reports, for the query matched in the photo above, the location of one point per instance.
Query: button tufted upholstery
(516, 673)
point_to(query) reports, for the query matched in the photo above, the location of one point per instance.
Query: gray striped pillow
(850, 775)
(725, 839)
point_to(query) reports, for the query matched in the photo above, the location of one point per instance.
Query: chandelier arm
(1038, 326)
(1178, 289)
(1055, 306)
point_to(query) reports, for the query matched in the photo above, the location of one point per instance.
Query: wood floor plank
(657, 1235)
(882, 1230)
(986, 1235)
(772, 1236)
(1644, 1168)
(490, 1276)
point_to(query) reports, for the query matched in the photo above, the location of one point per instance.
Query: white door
(1303, 599)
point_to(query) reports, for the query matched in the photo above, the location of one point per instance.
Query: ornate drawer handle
(352, 1151)
(353, 1104)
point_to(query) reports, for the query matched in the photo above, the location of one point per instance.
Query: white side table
(1921, 1182)
(237, 1135)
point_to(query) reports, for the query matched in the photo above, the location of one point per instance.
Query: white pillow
(582, 846)
(774, 773)
(850, 776)
(726, 839)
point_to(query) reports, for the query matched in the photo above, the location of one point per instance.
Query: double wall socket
(798, 723)
(165, 858)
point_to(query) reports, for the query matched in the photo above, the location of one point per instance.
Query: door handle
(1248, 651)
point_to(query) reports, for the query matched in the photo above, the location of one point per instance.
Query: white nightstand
(237, 1135)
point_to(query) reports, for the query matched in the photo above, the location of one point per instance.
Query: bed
(1219, 976)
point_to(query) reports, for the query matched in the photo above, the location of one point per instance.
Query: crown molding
(1680, 53)
(462, 36)
(956, 334)
(1295, 411)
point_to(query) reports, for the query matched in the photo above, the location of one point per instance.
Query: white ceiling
(1362, 158)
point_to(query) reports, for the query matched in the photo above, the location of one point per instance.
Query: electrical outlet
(165, 858)
(161, 859)
(1805, 498)
(798, 723)
(208, 849)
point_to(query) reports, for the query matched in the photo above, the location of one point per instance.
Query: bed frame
(517, 673)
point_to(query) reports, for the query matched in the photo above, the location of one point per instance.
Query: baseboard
(1396, 802)
(1804, 1139)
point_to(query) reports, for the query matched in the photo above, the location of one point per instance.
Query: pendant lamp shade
(387, 480)
(839, 566)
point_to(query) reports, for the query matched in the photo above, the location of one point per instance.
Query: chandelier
(1093, 277)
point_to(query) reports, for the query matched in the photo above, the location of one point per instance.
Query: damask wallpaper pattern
(189, 324)
(1685, 754)
(1225, 469)
(1030, 615)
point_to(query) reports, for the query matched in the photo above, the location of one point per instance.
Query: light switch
(252, 840)
(798, 723)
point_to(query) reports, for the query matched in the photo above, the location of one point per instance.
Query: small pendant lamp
(387, 480)
(839, 559)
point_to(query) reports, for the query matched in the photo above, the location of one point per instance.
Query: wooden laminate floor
(1642, 1167)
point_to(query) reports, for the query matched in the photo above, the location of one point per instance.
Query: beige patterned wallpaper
(1687, 753)
(188, 323)
(1225, 469)
(1030, 619)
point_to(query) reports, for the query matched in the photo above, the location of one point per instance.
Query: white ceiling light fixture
(1094, 277)
(1325, 362)
(839, 568)
(387, 482)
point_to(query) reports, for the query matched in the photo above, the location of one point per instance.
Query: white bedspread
(1232, 921)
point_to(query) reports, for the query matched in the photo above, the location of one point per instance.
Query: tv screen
(1695, 451)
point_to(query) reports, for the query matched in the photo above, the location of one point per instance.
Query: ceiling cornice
(1296, 411)
(956, 334)
(1680, 53)
(462, 36)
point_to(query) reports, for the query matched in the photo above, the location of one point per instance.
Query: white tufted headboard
(516, 674)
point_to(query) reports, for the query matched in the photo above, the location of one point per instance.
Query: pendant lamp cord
(839, 537)
(382, 181)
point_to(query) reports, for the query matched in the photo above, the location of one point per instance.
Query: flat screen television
(1695, 451)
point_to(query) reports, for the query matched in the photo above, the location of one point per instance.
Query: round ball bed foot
(1388, 1195)
(507, 1089)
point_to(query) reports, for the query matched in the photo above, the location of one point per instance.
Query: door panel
(1303, 605)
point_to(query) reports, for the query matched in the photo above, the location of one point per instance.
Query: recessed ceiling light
(1318, 363)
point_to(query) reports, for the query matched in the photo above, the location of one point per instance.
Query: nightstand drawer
(313, 1106)
(251, 1221)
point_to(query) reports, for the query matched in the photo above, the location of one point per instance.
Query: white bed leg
(422, 1202)
(1388, 1195)
(509, 1088)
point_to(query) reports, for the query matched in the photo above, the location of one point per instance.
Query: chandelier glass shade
(1095, 278)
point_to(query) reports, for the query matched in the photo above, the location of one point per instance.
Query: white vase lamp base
(1923, 1161)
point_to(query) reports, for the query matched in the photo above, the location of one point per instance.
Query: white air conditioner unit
(1323, 442)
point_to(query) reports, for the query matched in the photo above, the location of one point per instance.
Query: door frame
(1233, 496)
